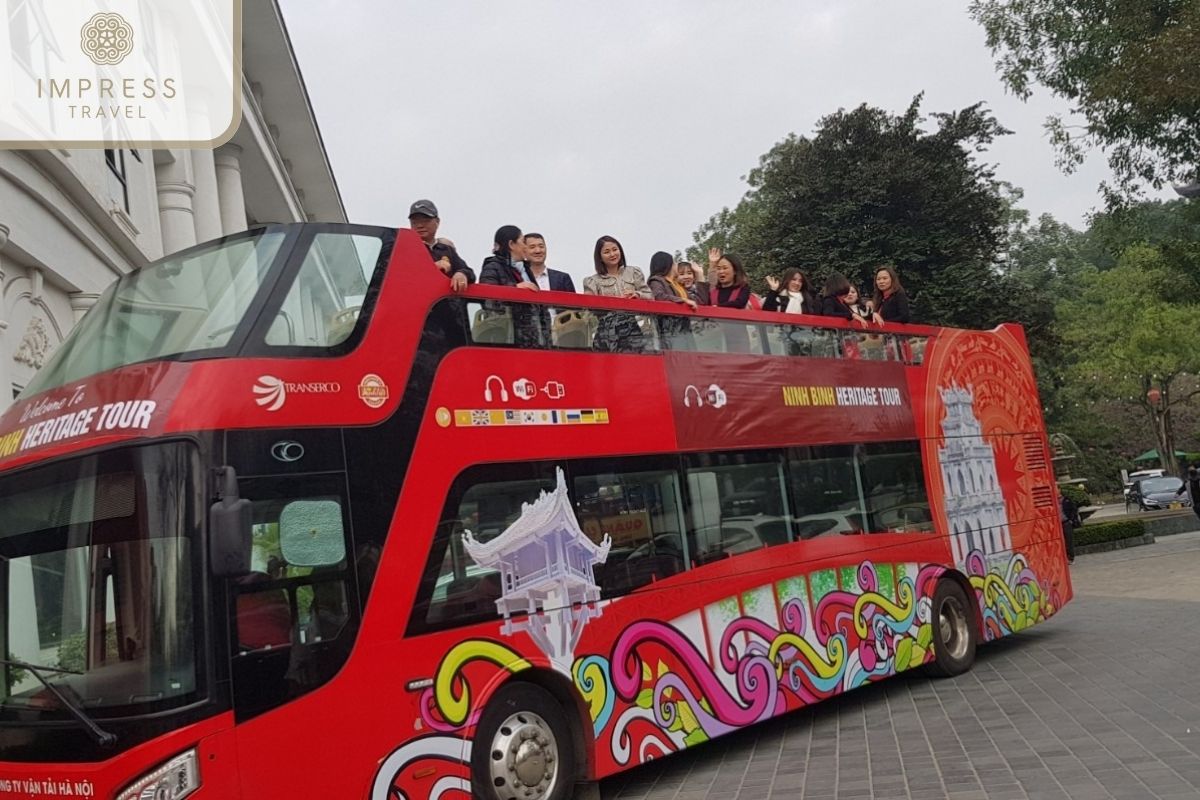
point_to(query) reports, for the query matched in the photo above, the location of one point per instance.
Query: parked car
(1134, 477)
(1152, 494)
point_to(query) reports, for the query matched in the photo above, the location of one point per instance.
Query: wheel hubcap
(952, 622)
(524, 758)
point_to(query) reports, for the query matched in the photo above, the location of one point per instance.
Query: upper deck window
(190, 303)
(529, 325)
(322, 306)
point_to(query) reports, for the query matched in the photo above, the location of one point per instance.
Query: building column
(176, 189)
(207, 204)
(5, 354)
(232, 200)
(82, 302)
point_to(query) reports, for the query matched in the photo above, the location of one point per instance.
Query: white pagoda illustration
(974, 499)
(545, 562)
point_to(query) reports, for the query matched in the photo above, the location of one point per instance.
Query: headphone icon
(487, 389)
(687, 397)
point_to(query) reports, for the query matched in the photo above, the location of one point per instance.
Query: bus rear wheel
(523, 749)
(953, 634)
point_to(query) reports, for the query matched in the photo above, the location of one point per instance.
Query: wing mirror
(229, 529)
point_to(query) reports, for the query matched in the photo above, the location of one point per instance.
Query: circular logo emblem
(443, 417)
(271, 391)
(106, 38)
(372, 390)
(287, 451)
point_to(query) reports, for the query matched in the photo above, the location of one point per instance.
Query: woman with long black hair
(500, 269)
(792, 294)
(891, 301)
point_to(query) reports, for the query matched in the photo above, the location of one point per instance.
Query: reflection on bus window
(463, 591)
(826, 490)
(726, 336)
(264, 614)
(736, 504)
(531, 325)
(641, 513)
(322, 307)
(894, 487)
(803, 341)
(912, 348)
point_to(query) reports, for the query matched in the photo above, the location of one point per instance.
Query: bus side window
(483, 502)
(642, 514)
(893, 481)
(826, 491)
(296, 546)
(738, 503)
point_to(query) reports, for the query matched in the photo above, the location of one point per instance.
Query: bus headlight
(173, 780)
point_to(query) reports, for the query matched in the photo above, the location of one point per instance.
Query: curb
(1119, 544)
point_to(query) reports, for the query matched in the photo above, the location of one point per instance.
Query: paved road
(1102, 701)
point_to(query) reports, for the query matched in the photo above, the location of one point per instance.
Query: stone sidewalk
(1102, 701)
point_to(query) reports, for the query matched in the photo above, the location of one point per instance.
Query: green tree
(1128, 68)
(870, 187)
(1131, 333)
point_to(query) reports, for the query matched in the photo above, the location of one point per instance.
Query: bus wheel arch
(552, 705)
(954, 612)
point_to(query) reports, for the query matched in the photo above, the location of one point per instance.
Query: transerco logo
(106, 38)
(273, 392)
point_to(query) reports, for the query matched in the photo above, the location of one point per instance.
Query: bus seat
(472, 595)
(264, 618)
(572, 329)
(492, 327)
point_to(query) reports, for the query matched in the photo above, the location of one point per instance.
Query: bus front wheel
(523, 749)
(953, 637)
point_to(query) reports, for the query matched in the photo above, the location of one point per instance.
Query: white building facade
(975, 507)
(72, 221)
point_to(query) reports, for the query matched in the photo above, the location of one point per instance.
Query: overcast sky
(634, 119)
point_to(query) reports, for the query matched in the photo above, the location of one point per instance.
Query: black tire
(953, 630)
(520, 708)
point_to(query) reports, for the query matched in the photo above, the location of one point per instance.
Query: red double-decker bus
(284, 517)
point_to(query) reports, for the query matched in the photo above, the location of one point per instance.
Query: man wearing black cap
(423, 218)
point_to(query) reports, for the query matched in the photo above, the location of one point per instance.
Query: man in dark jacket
(535, 267)
(1068, 517)
(1191, 485)
(424, 220)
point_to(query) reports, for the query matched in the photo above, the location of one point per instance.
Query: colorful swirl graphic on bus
(1011, 600)
(666, 686)
(447, 705)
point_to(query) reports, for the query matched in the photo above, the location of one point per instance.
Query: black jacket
(559, 280)
(833, 307)
(895, 308)
(440, 249)
(778, 301)
(531, 323)
(499, 271)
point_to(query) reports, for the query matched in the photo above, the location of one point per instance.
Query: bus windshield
(99, 568)
(187, 303)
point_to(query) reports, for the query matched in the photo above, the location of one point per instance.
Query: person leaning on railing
(616, 330)
(890, 301)
(840, 299)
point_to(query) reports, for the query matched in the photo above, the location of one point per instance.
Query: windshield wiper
(102, 737)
